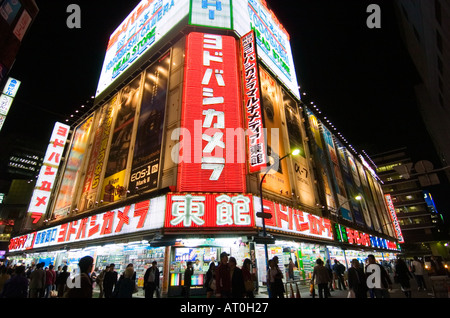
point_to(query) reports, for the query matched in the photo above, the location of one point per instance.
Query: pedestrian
(402, 276)
(275, 279)
(99, 281)
(237, 280)
(210, 281)
(61, 281)
(188, 272)
(291, 267)
(151, 280)
(126, 285)
(17, 285)
(330, 272)
(321, 277)
(37, 281)
(4, 276)
(417, 269)
(223, 278)
(380, 276)
(85, 288)
(50, 280)
(110, 281)
(357, 280)
(339, 271)
(248, 278)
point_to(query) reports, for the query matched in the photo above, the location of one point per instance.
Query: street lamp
(264, 215)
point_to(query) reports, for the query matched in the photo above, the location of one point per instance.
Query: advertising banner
(202, 210)
(72, 172)
(277, 180)
(336, 174)
(147, 148)
(294, 221)
(321, 161)
(46, 180)
(136, 217)
(303, 179)
(396, 224)
(212, 140)
(374, 224)
(348, 181)
(95, 166)
(144, 27)
(114, 183)
(252, 102)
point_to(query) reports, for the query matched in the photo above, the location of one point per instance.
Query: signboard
(11, 87)
(142, 216)
(294, 221)
(144, 27)
(211, 13)
(5, 104)
(271, 37)
(354, 237)
(46, 180)
(252, 102)
(396, 224)
(200, 210)
(212, 139)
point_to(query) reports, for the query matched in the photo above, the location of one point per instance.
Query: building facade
(195, 101)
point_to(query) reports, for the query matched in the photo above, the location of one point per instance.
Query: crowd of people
(223, 280)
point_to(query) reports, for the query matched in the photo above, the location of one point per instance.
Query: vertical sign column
(211, 142)
(46, 180)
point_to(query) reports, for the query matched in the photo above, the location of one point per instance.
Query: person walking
(357, 280)
(210, 281)
(17, 285)
(85, 289)
(126, 285)
(61, 281)
(151, 280)
(50, 280)
(330, 272)
(403, 276)
(223, 277)
(248, 278)
(237, 280)
(381, 276)
(321, 277)
(99, 281)
(339, 271)
(4, 276)
(417, 269)
(275, 279)
(110, 281)
(37, 281)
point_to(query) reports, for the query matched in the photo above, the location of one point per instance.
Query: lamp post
(265, 216)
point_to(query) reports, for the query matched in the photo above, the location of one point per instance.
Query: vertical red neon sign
(212, 156)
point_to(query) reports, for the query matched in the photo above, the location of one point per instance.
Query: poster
(277, 180)
(303, 179)
(147, 148)
(72, 172)
(114, 182)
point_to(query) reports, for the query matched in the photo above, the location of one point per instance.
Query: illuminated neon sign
(393, 214)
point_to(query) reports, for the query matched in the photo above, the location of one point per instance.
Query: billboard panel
(211, 13)
(303, 179)
(147, 147)
(114, 182)
(73, 168)
(144, 27)
(96, 163)
(273, 40)
(277, 180)
(212, 140)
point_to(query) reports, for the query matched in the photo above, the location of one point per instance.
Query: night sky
(362, 79)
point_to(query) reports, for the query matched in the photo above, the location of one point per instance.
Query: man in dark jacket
(151, 280)
(223, 279)
(383, 278)
(110, 281)
(237, 280)
(17, 285)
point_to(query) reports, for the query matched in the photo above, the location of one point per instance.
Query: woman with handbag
(210, 281)
(248, 278)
